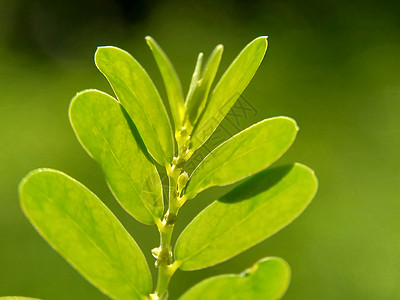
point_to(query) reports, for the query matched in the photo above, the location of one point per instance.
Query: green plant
(128, 137)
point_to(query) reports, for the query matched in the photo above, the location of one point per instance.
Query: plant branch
(176, 181)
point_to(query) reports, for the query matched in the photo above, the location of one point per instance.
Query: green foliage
(267, 279)
(17, 298)
(264, 143)
(171, 81)
(125, 134)
(108, 135)
(250, 213)
(138, 95)
(83, 230)
(229, 88)
(200, 86)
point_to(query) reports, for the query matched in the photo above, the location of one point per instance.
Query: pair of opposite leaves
(76, 223)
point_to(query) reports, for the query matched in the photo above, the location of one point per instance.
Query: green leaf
(245, 154)
(171, 81)
(231, 85)
(195, 77)
(86, 233)
(109, 136)
(138, 95)
(198, 98)
(268, 279)
(17, 298)
(248, 214)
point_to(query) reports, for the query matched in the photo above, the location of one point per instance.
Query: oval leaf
(248, 214)
(198, 98)
(109, 136)
(268, 279)
(138, 95)
(86, 233)
(194, 83)
(231, 85)
(171, 81)
(245, 154)
(17, 298)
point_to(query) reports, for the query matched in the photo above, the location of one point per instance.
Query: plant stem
(165, 273)
(165, 264)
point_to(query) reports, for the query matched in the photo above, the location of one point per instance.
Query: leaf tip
(97, 55)
(102, 53)
(27, 177)
(313, 175)
(149, 39)
(219, 48)
(150, 42)
(98, 50)
(74, 100)
(262, 39)
(296, 126)
(289, 121)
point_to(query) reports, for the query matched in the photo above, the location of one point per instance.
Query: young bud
(155, 252)
(171, 219)
(182, 180)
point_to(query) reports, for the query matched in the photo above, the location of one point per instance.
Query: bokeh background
(332, 65)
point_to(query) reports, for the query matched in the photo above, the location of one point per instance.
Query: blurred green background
(334, 66)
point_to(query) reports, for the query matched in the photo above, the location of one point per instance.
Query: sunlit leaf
(195, 77)
(248, 214)
(17, 298)
(138, 95)
(229, 88)
(171, 81)
(197, 99)
(109, 136)
(268, 279)
(245, 154)
(85, 232)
